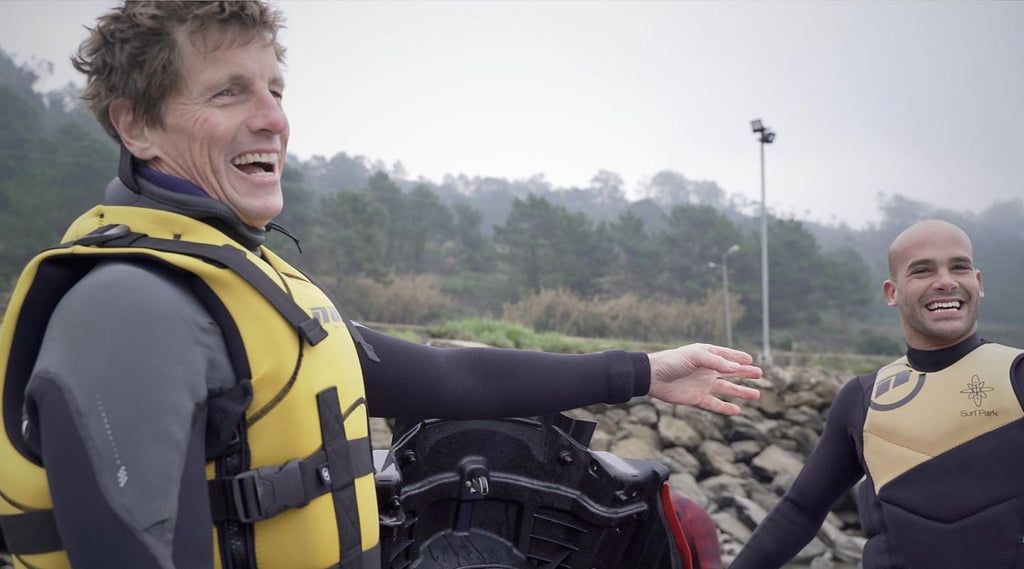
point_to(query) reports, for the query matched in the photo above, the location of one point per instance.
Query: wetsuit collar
(143, 187)
(935, 360)
(126, 169)
(130, 168)
(171, 183)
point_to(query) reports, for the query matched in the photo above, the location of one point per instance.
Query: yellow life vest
(301, 491)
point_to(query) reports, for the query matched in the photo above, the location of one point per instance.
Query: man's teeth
(949, 305)
(251, 157)
(260, 163)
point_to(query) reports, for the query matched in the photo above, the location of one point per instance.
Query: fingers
(725, 388)
(729, 389)
(716, 405)
(726, 361)
(748, 372)
(730, 354)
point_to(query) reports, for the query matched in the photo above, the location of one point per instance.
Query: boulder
(677, 432)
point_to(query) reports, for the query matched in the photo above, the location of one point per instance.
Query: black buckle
(101, 235)
(267, 491)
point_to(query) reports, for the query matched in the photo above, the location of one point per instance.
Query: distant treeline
(487, 246)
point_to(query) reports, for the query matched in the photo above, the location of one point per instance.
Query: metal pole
(766, 348)
(725, 292)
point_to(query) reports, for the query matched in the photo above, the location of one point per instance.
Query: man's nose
(944, 280)
(268, 115)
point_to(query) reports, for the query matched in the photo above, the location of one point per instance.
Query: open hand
(696, 375)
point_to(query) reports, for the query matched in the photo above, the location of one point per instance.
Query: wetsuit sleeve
(116, 407)
(1017, 378)
(832, 468)
(417, 381)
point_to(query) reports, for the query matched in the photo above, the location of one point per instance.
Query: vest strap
(223, 255)
(247, 497)
(264, 492)
(346, 463)
(120, 235)
(369, 559)
(31, 532)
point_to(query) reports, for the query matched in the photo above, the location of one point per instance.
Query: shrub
(783, 342)
(404, 300)
(476, 294)
(877, 343)
(627, 316)
(492, 332)
(556, 310)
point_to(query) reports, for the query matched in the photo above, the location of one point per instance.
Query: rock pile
(738, 467)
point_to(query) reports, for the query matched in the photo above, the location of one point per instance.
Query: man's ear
(132, 130)
(981, 287)
(889, 292)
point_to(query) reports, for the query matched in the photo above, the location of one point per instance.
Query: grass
(503, 334)
(408, 334)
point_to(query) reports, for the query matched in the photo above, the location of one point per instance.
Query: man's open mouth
(944, 306)
(256, 163)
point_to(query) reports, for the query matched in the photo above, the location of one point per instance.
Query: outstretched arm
(413, 380)
(697, 374)
(417, 381)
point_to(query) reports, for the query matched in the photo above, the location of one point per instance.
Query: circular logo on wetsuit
(896, 390)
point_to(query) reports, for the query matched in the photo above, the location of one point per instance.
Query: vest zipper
(236, 538)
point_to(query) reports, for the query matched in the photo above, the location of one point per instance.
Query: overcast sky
(918, 98)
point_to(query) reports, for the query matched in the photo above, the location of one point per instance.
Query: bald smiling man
(937, 435)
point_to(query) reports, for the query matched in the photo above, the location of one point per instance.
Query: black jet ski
(521, 493)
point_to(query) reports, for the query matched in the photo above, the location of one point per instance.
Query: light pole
(766, 136)
(725, 293)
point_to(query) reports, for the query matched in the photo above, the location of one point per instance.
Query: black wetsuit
(963, 508)
(133, 341)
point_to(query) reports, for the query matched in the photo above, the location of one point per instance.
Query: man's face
(223, 127)
(935, 286)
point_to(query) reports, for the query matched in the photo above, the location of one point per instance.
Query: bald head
(924, 232)
(933, 282)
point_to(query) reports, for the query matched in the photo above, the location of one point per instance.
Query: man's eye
(277, 94)
(225, 93)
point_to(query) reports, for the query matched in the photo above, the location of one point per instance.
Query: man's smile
(256, 163)
(944, 306)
